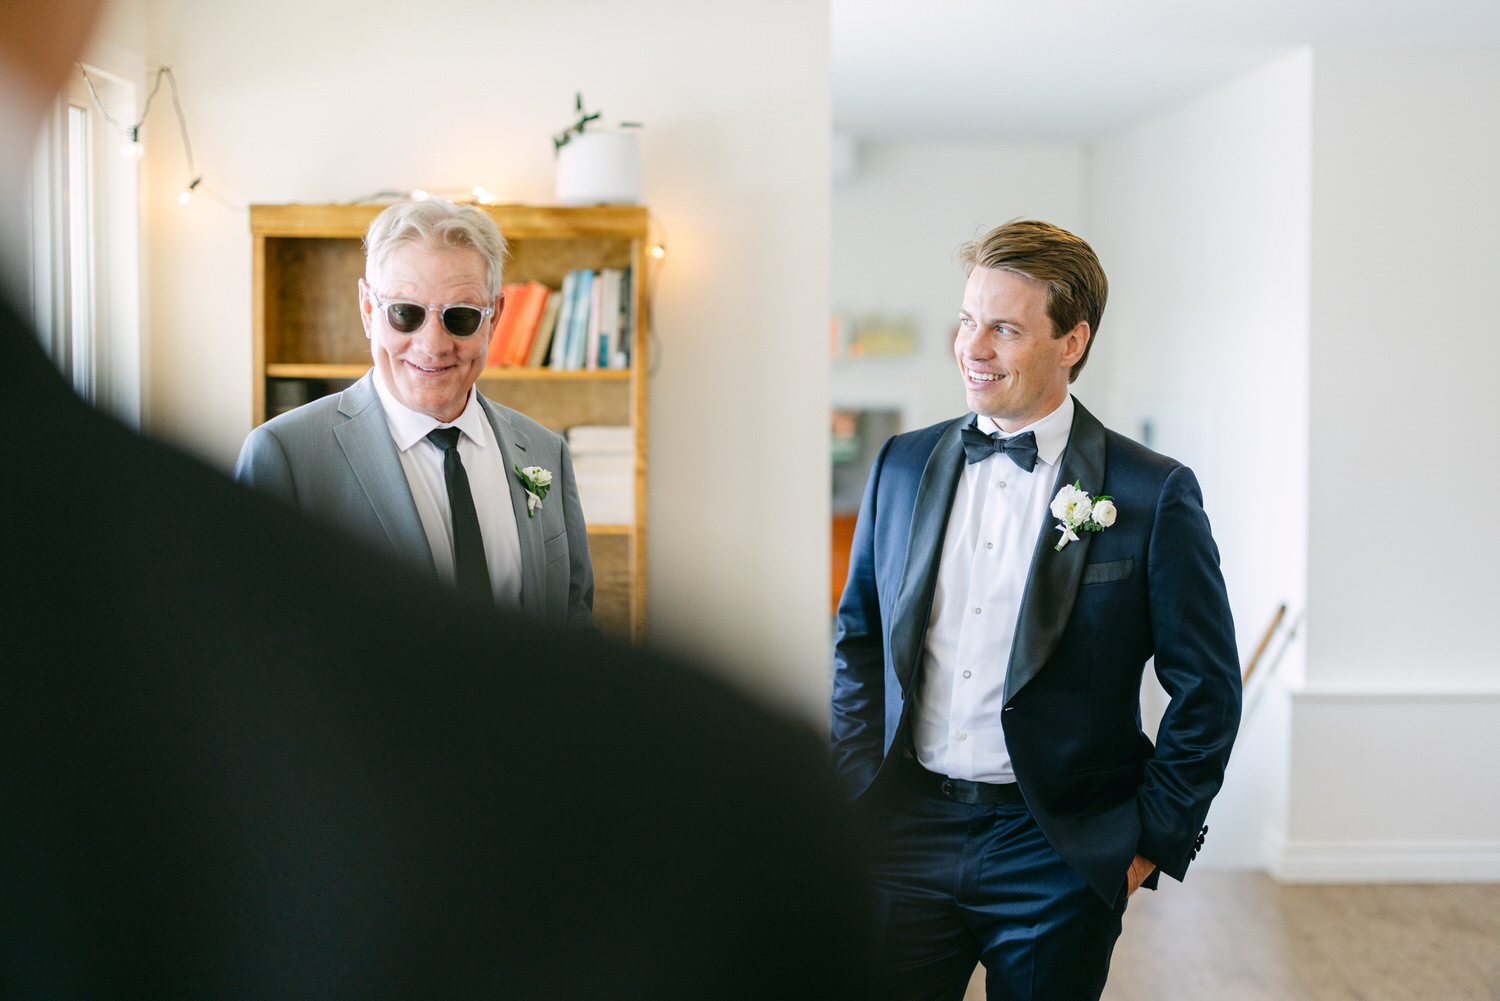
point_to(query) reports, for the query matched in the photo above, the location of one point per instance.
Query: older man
(1012, 572)
(411, 457)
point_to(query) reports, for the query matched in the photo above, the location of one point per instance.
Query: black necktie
(470, 572)
(1020, 447)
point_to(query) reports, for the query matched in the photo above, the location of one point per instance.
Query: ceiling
(1074, 70)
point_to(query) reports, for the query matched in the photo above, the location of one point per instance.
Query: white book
(609, 317)
(601, 438)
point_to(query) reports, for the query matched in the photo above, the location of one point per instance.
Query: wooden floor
(1239, 936)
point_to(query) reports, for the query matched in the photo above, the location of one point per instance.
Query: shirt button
(968, 674)
(1000, 483)
(962, 735)
(976, 611)
(989, 545)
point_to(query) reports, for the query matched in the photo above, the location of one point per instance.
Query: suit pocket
(1105, 573)
(555, 549)
(1097, 789)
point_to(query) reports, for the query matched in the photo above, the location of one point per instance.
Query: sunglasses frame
(441, 309)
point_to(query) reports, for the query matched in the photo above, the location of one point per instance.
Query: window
(86, 246)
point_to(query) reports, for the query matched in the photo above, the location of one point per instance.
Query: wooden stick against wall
(1265, 641)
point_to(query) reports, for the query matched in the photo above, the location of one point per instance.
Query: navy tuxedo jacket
(1091, 617)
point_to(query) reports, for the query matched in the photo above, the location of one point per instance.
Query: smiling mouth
(429, 371)
(974, 376)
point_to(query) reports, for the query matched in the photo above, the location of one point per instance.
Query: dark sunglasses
(460, 319)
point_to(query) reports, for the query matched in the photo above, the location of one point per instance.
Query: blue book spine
(579, 328)
(559, 356)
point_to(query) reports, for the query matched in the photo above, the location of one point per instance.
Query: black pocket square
(1104, 573)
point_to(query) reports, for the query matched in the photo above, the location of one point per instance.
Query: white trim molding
(1383, 861)
(1391, 786)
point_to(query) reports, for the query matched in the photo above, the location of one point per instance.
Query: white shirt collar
(1051, 431)
(409, 427)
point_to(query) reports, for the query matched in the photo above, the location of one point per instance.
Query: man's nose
(432, 336)
(969, 343)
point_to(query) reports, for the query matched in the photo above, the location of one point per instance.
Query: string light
(657, 251)
(419, 195)
(133, 147)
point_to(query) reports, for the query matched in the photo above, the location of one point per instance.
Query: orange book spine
(496, 354)
(533, 301)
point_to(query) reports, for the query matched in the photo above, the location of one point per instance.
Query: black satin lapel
(1053, 582)
(924, 545)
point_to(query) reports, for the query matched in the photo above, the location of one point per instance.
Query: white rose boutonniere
(537, 482)
(1079, 512)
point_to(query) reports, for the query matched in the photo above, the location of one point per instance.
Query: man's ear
(1078, 342)
(499, 308)
(366, 307)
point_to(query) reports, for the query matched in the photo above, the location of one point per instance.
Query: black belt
(964, 791)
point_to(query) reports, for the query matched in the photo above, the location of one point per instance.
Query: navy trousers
(960, 883)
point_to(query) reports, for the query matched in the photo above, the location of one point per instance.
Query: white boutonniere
(1079, 512)
(537, 482)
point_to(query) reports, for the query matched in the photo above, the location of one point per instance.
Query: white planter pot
(600, 168)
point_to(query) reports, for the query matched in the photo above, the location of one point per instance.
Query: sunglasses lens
(405, 317)
(462, 321)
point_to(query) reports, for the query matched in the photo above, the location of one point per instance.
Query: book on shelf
(621, 358)
(559, 352)
(542, 343)
(604, 463)
(596, 314)
(578, 328)
(531, 301)
(595, 318)
(603, 350)
(495, 357)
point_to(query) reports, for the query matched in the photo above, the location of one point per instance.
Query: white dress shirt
(422, 462)
(992, 531)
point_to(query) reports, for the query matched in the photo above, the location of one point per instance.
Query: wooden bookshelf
(308, 342)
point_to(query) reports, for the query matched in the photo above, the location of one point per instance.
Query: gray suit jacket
(334, 460)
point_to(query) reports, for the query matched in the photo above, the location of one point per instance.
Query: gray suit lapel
(924, 546)
(1053, 582)
(366, 440)
(515, 450)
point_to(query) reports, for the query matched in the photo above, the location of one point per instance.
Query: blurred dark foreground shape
(240, 758)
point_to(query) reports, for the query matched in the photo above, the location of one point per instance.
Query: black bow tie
(1020, 447)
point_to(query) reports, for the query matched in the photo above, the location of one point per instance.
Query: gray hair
(436, 223)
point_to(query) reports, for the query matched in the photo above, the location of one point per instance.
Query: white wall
(1405, 215)
(897, 220)
(1300, 262)
(1396, 737)
(1201, 219)
(290, 101)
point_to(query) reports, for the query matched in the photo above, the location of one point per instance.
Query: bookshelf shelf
(308, 342)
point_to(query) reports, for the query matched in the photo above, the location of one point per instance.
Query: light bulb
(187, 193)
(657, 251)
(132, 150)
(483, 195)
(419, 195)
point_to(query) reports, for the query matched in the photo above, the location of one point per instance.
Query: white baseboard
(1293, 861)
